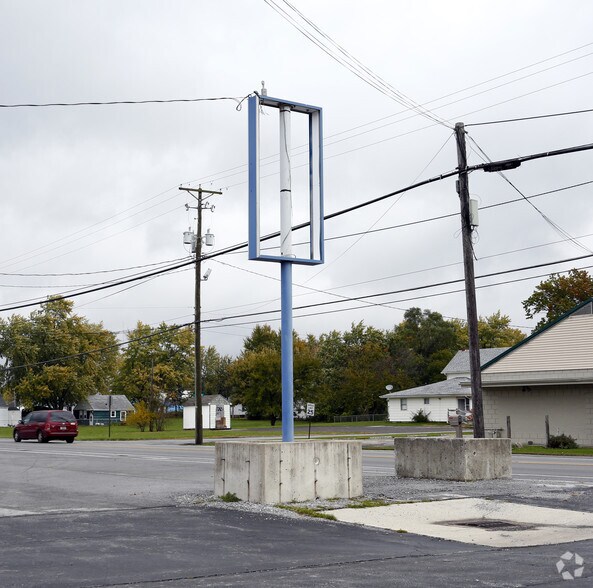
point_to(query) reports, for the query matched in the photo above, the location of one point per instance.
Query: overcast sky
(95, 188)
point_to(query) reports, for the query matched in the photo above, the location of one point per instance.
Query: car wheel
(70, 440)
(17, 437)
(41, 437)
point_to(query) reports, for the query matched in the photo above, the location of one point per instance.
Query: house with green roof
(548, 374)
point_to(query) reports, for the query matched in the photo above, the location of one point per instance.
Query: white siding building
(216, 413)
(550, 373)
(436, 399)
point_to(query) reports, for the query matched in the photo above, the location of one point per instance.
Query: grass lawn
(174, 430)
(539, 450)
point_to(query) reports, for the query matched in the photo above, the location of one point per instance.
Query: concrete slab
(477, 521)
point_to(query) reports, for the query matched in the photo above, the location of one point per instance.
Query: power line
(348, 61)
(509, 120)
(117, 102)
(372, 130)
(412, 289)
(238, 247)
(553, 224)
(320, 304)
(108, 271)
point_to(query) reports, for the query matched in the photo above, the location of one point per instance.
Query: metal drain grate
(490, 524)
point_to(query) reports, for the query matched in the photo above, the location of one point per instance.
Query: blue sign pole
(287, 352)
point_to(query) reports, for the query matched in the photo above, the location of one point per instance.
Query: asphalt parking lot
(139, 514)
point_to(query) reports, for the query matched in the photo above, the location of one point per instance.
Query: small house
(100, 409)
(216, 412)
(436, 399)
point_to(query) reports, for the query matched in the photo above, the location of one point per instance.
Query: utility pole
(199, 436)
(470, 286)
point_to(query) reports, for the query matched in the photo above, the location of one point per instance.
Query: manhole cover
(490, 524)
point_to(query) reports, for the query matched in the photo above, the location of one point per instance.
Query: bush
(421, 417)
(140, 417)
(562, 442)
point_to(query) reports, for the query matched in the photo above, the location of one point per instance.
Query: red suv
(45, 425)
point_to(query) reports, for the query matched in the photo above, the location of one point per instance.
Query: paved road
(98, 474)
(104, 514)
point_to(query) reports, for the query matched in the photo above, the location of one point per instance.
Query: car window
(39, 417)
(27, 418)
(61, 417)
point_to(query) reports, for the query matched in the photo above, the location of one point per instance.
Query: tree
(422, 344)
(353, 369)
(256, 373)
(157, 366)
(493, 331)
(557, 295)
(257, 384)
(51, 358)
(262, 337)
(216, 372)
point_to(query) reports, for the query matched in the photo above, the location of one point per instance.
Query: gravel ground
(390, 489)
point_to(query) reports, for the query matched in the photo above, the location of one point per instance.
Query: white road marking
(70, 454)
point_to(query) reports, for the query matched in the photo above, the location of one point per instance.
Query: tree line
(55, 358)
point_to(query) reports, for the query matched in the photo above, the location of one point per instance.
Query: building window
(122, 416)
(427, 401)
(113, 414)
(403, 404)
(463, 404)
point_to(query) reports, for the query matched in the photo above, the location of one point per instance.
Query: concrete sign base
(452, 459)
(275, 472)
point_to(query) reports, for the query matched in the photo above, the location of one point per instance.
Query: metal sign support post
(286, 352)
(286, 277)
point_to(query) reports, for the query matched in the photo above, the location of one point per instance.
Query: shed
(550, 373)
(3, 412)
(95, 410)
(216, 412)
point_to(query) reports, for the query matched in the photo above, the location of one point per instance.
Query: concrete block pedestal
(452, 459)
(276, 472)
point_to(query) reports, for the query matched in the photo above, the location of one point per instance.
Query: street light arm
(496, 166)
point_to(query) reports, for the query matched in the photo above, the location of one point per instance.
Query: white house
(216, 413)
(550, 373)
(436, 399)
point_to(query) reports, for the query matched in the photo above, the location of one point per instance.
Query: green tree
(256, 373)
(422, 344)
(49, 359)
(257, 384)
(156, 367)
(216, 372)
(557, 295)
(354, 367)
(493, 331)
(262, 337)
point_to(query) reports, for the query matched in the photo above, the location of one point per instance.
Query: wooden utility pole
(470, 287)
(199, 436)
